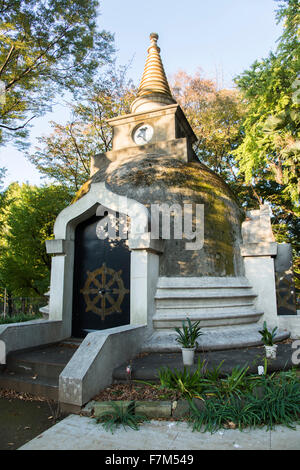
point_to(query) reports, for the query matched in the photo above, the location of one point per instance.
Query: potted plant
(187, 339)
(268, 337)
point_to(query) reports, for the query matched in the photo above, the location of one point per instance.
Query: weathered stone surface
(101, 407)
(200, 404)
(155, 179)
(180, 409)
(76, 432)
(154, 409)
(285, 284)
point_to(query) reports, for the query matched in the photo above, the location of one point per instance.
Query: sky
(221, 37)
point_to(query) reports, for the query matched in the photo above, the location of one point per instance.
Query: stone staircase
(224, 306)
(36, 371)
(214, 301)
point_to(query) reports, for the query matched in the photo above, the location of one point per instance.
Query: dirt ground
(135, 391)
(23, 417)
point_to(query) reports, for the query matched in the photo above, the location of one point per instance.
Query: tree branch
(17, 128)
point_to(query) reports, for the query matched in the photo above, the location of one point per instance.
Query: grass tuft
(121, 416)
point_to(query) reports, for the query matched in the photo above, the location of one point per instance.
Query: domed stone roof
(152, 179)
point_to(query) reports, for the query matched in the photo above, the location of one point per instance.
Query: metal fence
(11, 306)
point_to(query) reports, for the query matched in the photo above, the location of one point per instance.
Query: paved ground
(21, 421)
(82, 433)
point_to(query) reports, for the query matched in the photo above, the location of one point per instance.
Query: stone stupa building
(126, 295)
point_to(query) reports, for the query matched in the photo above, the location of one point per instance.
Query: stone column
(144, 276)
(258, 250)
(61, 290)
(259, 269)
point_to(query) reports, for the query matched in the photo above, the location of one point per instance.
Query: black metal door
(101, 297)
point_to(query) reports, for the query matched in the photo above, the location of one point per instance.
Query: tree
(46, 47)
(65, 155)
(2, 176)
(271, 128)
(269, 155)
(216, 117)
(26, 221)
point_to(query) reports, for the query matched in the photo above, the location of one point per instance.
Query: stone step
(205, 293)
(34, 368)
(47, 361)
(204, 302)
(218, 338)
(216, 293)
(202, 282)
(206, 318)
(36, 371)
(146, 367)
(206, 310)
(40, 386)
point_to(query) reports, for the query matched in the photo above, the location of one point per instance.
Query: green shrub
(277, 403)
(121, 416)
(188, 335)
(268, 336)
(186, 383)
(22, 317)
(203, 382)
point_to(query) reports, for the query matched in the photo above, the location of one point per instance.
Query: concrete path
(82, 433)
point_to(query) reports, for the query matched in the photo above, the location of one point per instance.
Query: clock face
(143, 134)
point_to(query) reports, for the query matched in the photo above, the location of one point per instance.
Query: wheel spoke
(111, 282)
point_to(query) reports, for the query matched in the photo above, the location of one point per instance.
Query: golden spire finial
(154, 90)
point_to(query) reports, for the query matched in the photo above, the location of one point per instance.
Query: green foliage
(186, 383)
(22, 317)
(121, 416)
(203, 383)
(271, 128)
(250, 136)
(235, 383)
(65, 155)
(268, 336)
(189, 334)
(216, 117)
(26, 221)
(2, 176)
(276, 403)
(47, 47)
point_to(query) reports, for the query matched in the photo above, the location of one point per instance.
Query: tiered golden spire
(154, 90)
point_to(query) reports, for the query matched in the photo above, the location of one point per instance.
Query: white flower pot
(188, 355)
(271, 351)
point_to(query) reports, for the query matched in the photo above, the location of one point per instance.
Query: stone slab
(259, 249)
(153, 409)
(180, 409)
(213, 338)
(82, 433)
(101, 407)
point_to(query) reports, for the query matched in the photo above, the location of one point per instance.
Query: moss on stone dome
(154, 179)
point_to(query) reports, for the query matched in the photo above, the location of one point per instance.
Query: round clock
(143, 134)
